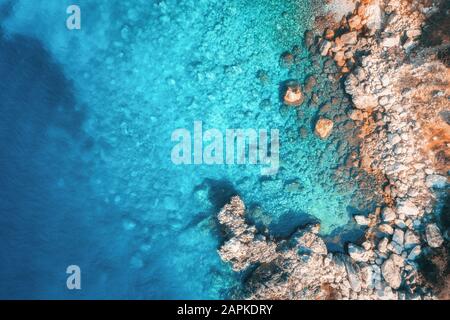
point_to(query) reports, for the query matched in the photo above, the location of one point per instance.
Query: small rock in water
(293, 95)
(357, 253)
(323, 128)
(262, 76)
(310, 84)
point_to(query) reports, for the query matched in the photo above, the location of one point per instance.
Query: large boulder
(324, 127)
(408, 208)
(358, 254)
(392, 272)
(436, 181)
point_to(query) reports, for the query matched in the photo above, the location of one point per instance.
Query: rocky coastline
(399, 88)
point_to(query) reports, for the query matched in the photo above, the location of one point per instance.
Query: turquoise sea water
(87, 118)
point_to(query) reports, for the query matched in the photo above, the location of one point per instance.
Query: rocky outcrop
(399, 94)
(244, 247)
(301, 267)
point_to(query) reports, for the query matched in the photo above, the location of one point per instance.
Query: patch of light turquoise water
(141, 69)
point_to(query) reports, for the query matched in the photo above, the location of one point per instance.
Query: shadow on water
(287, 224)
(219, 193)
(35, 211)
(36, 92)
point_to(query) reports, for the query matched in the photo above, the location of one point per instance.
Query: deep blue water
(86, 119)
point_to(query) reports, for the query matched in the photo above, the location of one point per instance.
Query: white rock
(382, 245)
(385, 228)
(408, 208)
(399, 223)
(436, 181)
(357, 253)
(362, 220)
(388, 214)
(353, 277)
(374, 15)
(394, 139)
(413, 33)
(325, 46)
(350, 37)
(395, 247)
(391, 41)
(433, 236)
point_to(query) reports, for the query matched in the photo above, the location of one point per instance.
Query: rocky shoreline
(400, 94)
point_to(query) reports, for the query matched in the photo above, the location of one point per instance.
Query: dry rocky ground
(399, 87)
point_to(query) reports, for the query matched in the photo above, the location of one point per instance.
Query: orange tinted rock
(293, 95)
(350, 38)
(329, 34)
(323, 128)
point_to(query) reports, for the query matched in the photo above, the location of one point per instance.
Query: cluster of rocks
(302, 268)
(399, 92)
(394, 90)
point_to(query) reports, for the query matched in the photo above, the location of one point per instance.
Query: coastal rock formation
(244, 247)
(301, 267)
(433, 236)
(399, 92)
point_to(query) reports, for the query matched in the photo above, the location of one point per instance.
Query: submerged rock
(287, 59)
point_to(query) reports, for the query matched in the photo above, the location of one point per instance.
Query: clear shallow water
(85, 158)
